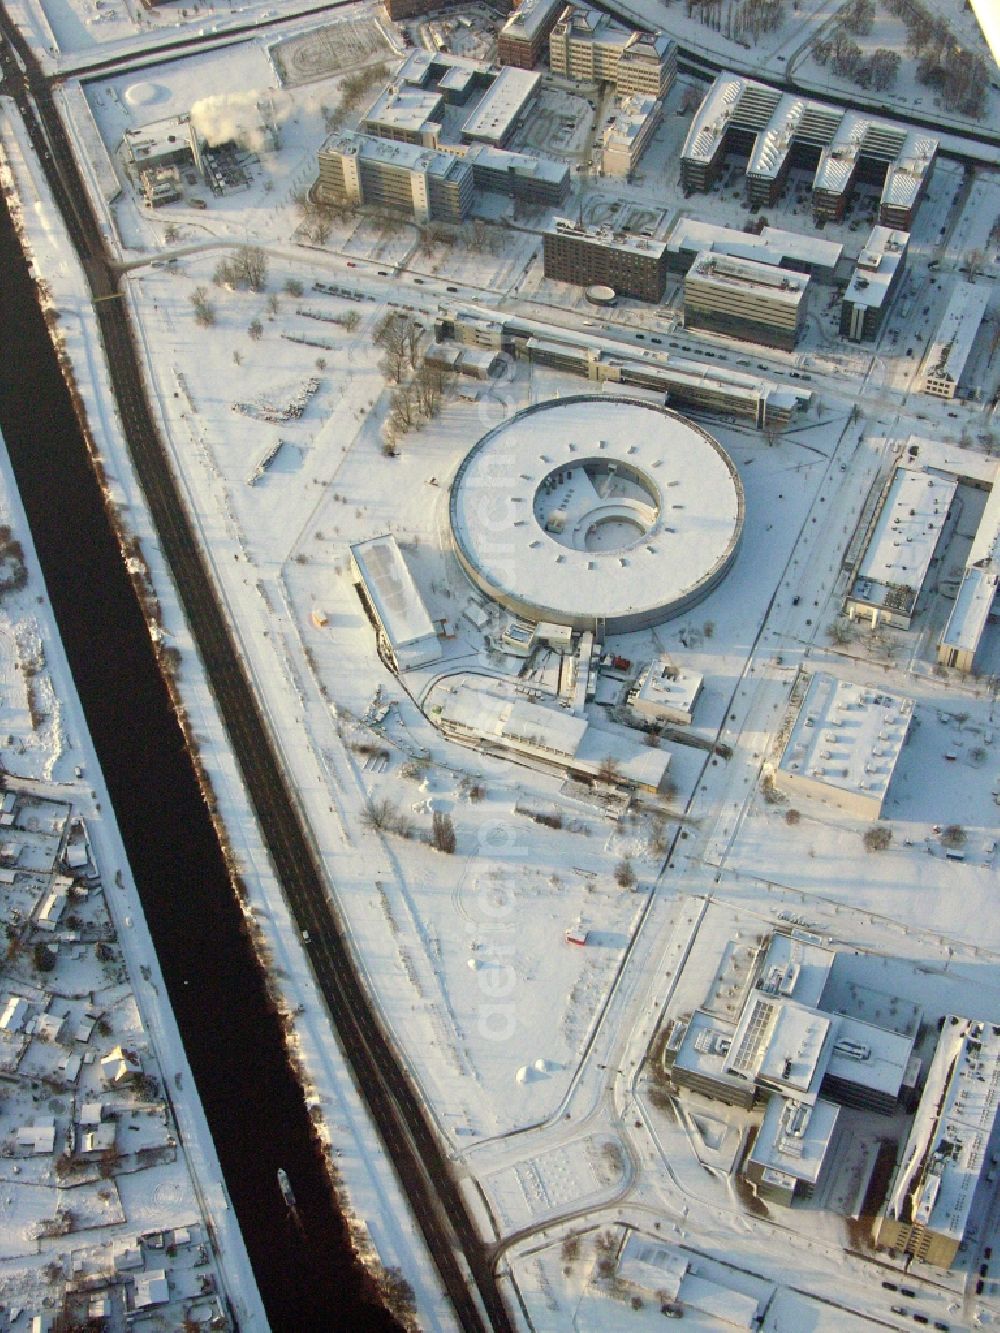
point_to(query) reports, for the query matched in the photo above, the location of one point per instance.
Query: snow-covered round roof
(142, 93)
(597, 512)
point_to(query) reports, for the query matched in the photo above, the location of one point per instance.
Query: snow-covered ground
(530, 1052)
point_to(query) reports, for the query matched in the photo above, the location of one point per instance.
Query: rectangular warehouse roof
(393, 593)
(503, 102)
(794, 1138)
(771, 246)
(955, 335)
(847, 737)
(905, 537)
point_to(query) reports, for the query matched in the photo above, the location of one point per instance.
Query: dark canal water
(253, 1103)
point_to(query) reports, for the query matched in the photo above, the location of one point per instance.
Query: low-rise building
(406, 635)
(502, 107)
(844, 744)
(791, 1148)
(587, 44)
(977, 593)
(664, 692)
(525, 35)
(746, 299)
(633, 265)
(874, 282)
(627, 135)
(901, 546)
(950, 1148)
(949, 353)
(360, 169)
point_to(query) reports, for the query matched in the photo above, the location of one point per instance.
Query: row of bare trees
(961, 75)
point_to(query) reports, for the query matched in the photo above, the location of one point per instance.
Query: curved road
(392, 1101)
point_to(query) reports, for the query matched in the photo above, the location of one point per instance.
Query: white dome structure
(596, 512)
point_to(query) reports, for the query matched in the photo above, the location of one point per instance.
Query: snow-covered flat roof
(630, 120)
(664, 685)
(782, 1043)
(405, 108)
(946, 1149)
(392, 590)
(905, 535)
(407, 156)
(520, 164)
(967, 622)
(608, 237)
(877, 266)
(956, 333)
(727, 272)
(847, 736)
(949, 456)
(795, 1136)
(502, 103)
(529, 17)
(771, 246)
(651, 1265)
(515, 721)
(871, 1056)
(795, 967)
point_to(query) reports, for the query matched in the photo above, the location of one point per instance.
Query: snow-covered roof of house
(847, 736)
(876, 269)
(771, 246)
(727, 272)
(794, 1138)
(946, 1149)
(40, 1137)
(529, 16)
(151, 1288)
(725, 1306)
(956, 333)
(905, 536)
(15, 1011)
(501, 105)
(100, 1138)
(390, 586)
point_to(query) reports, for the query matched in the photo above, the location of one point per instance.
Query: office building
(406, 636)
(634, 122)
(407, 114)
(531, 180)
(779, 130)
(502, 108)
(744, 298)
(586, 44)
(360, 169)
(951, 1149)
(525, 35)
(632, 265)
(952, 346)
(874, 282)
(784, 249)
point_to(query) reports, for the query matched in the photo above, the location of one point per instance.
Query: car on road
(451, 289)
(306, 938)
(351, 263)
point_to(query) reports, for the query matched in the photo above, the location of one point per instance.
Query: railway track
(462, 1260)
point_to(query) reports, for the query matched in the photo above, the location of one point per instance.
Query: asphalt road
(463, 1262)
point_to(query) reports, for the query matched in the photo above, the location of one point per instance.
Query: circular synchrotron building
(596, 512)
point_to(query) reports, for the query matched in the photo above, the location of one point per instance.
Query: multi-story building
(531, 180)
(627, 136)
(780, 130)
(412, 9)
(633, 265)
(406, 114)
(952, 346)
(784, 249)
(977, 593)
(951, 1148)
(586, 44)
(875, 281)
(745, 299)
(525, 35)
(358, 169)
